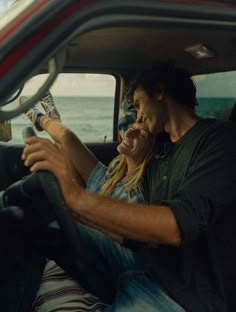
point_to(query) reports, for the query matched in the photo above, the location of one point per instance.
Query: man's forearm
(114, 236)
(145, 223)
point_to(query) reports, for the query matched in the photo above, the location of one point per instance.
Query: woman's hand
(42, 154)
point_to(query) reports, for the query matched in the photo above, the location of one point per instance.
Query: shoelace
(29, 114)
(47, 101)
(49, 105)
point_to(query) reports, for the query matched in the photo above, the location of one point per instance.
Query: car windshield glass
(9, 10)
(85, 102)
(216, 94)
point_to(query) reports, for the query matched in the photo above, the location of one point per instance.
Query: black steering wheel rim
(62, 213)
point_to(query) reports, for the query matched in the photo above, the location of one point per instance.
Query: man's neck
(181, 120)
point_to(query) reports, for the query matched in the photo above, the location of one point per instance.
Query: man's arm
(133, 221)
(207, 192)
(146, 223)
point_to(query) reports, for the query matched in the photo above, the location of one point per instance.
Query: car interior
(110, 43)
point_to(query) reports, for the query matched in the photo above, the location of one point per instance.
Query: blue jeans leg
(116, 275)
(100, 266)
(136, 292)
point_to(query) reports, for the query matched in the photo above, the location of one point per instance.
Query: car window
(84, 101)
(216, 94)
(10, 9)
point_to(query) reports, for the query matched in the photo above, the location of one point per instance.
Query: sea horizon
(91, 118)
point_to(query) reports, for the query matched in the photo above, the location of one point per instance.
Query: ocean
(219, 108)
(92, 118)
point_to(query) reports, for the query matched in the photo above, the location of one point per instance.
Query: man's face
(150, 111)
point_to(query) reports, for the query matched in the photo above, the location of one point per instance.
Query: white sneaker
(49, 106)
(33, 114)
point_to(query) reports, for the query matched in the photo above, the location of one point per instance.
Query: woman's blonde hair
(116, 174)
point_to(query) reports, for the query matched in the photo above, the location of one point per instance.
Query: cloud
(2, 7)
(4, 4)
(216, 85)
(75, 85)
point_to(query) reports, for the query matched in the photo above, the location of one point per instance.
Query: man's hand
(146, 223)
(42, 154)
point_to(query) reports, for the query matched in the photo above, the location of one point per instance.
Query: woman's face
(136, 143)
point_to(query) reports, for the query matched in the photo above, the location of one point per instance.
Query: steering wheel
(23, 193)
(32, 187)
(63, 215)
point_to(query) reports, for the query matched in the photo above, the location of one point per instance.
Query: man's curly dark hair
(176, 82)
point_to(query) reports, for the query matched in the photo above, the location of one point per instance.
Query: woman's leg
(114, 274)
(98, 269)
(80, 159)
(137, 292)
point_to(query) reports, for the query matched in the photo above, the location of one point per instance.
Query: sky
(217, 85)
(75, 85)
(4, 4)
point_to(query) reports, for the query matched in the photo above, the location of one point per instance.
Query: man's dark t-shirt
(196, 178)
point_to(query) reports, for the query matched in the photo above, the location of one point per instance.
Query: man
(171, 260)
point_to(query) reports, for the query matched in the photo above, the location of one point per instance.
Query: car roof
(119, 37)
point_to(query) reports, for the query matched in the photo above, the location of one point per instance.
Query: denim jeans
(113, 273)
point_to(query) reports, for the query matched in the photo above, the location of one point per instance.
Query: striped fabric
(59, 292)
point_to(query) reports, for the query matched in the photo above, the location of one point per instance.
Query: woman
(121, 180)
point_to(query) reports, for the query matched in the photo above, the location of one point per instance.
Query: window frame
(116, 103)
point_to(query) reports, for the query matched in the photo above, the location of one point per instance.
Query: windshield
(10, 9)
